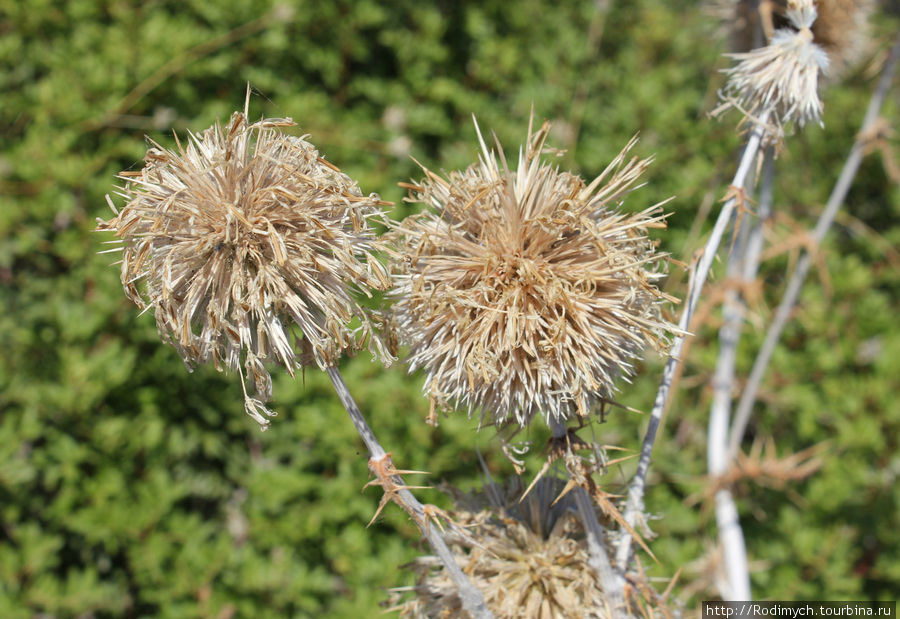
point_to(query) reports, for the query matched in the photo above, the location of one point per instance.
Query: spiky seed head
(528, 556)
(840, 28)
(782, 77)
(526, 292)
(246, 245)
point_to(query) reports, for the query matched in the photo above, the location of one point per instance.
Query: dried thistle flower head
(525, 292)
(840, 28)
(248, 244)
(528, 558)
(782, 77)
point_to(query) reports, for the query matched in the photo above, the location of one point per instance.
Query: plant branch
(472, 599)
(613, 583)
(743, 264)
(792, 291)
(731, 536)
(634, 504)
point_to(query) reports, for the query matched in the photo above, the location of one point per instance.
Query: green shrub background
(129, 487)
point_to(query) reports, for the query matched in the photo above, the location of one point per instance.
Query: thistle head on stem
(779, 81)
(248, 247)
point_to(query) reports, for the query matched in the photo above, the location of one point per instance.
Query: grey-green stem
(792, 291)
(635, 501)
(472, 599)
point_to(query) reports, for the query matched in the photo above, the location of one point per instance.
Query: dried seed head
(782, 77)
(528, 558)
(524, 292)
(840, 28)
(241, 236)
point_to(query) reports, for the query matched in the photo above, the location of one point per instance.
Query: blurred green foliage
(129, 487)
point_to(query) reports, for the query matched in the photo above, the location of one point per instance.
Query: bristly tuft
(840, 28)
(524, 292)
(248, 243)
(781, 78)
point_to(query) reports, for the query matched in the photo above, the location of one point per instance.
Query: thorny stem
(472, 599)
(613, 583)
(634, 505)
(792, 291)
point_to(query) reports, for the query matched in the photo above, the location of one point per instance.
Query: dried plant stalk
(242, 235)
(467, 596)
(792, 291)
(635, 503)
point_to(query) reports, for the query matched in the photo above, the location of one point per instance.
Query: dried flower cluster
(525, 292)
(840, 28)
(782, 77)
(529, 558)
(242, 237)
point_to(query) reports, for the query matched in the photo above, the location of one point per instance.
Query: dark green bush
(129, 487)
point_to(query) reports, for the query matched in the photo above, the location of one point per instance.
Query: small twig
(177, 63)
(582, 89)
(634, 503)
(792, 291)
(472, 599)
